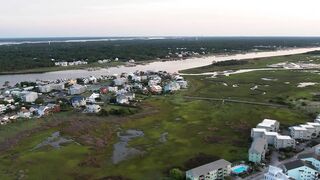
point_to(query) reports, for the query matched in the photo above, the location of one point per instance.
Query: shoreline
(145, 62)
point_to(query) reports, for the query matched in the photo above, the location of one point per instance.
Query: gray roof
(257, 145)
(298, 163)
(308, 155)
(204, 169)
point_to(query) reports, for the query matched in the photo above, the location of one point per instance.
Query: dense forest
(16, 57)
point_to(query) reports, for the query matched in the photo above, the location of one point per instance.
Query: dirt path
(235, 101)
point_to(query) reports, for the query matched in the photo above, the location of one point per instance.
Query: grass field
(214, 128)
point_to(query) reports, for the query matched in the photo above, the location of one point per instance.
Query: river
(170, 66)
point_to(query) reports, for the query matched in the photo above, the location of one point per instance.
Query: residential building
(156, 89)
(113, 89)
(215, 170)
(93, 108)
(77, 89)
(257, 133)
(258, 150)
(270, 125)
(78, 101)
(270, 137)
(275, 173)
(311, 157)
(119, 81)
(28, 96)
(298, 132)
(183, 84)
(311, 130)
(122, 99)
(281, 142)
(50, 87)
(316, 126)
(171, 87)
(301, 170)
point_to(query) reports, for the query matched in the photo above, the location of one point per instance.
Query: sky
(62, 18)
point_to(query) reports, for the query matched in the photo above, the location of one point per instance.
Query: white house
(93, 108)
(270, 137)
(171, 87)
(113, 89)
(275, 173)
(93, 97)
(311, 130)
(269, 124)
(155, 89)
(28, 96)
(257, 133)
(298, 132)
(183, 84)
(122, 99)
(317, 120)
(281, 142)
(301, 170)
(119, 81)
(50, 87)
(215, 170)
(4, 120)
(24, 113)
(152, 82)
(76, 89)
(316, 126)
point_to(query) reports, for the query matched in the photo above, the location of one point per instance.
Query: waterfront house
(122, 99)
(215, 170)
(76, 89)
(28, 96)
(93, 108)
(78, 101)
(120, 81)
(113, 89)
(155, 89)
(50, 87)
(300, 170)
(275, 173)
(171, 87)
(258, 150)
(24, 113)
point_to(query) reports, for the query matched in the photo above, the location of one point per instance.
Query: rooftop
(267, 123)
(204, 169)
(298, 128)
(298, 163)
(258, 145)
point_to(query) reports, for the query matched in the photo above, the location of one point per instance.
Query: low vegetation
(198, 131)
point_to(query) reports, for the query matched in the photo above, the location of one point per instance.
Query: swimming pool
(239, 169)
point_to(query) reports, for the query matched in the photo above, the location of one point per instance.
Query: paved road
(235, 101)
(259, 176)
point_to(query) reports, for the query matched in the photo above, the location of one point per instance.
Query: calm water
(170, 66)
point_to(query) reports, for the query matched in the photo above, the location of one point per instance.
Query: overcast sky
(39, 18)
